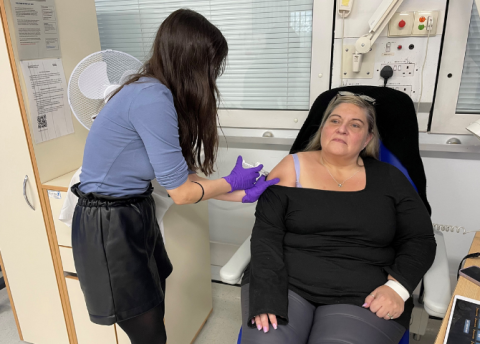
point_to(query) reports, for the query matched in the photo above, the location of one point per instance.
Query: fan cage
(117, 62)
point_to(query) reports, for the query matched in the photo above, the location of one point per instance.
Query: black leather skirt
(119, 255)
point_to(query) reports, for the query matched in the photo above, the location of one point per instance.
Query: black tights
(147, 328)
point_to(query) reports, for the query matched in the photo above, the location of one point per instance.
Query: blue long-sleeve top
(133, 140)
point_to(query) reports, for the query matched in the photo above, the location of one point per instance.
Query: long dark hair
(188, 55)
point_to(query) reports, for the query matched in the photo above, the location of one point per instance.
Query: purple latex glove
(253, 194)
(242, 178)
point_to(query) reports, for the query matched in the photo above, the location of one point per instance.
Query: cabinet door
(87, 332)
(23, 237)
(189, 287)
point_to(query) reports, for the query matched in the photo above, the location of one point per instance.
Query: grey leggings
(330, 324)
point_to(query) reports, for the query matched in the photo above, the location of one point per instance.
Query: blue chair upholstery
(406, 338)
(387, 156)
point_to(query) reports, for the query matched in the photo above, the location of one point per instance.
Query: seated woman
(339, 244)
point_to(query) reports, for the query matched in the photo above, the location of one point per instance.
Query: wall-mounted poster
(47, 94)
(36, 28)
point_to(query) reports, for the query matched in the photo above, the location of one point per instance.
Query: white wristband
(399, 289)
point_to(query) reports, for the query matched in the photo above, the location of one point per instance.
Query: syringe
(247, 165)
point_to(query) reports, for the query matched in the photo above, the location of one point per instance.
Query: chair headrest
(396, 122)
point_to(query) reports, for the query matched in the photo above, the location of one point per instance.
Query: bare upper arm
(285, 171)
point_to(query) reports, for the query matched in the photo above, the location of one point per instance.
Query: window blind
(268, 64)
(469, 95)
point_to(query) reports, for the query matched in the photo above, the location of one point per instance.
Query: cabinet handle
(25, 180)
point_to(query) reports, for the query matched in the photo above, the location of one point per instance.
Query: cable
(341, 62)
(448, 228)
(423, 67)
(386, 73)
(468, 256)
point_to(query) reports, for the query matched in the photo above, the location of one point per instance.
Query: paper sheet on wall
(47, 94)
(36, 28)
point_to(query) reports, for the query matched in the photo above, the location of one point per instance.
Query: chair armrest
(437, 281)
(231, 272)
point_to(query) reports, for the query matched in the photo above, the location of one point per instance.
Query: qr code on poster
(42, 122)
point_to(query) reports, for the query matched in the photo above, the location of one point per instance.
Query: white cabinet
(66, 254)
(87, 332)
(189, 287)
(24, 243)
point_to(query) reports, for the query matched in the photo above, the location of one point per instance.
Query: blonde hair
(373, 147)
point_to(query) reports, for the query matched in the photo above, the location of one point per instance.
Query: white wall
(453, 190)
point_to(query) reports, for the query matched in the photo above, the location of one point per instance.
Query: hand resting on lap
(262, 321)
(385, 300)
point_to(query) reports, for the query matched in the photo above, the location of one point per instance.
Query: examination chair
(398, 127)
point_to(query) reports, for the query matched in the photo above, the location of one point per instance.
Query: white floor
(223, 325)
(221, 328)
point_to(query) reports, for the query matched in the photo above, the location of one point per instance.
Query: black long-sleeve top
(333, 247)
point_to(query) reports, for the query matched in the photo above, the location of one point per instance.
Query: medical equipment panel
(409, 43)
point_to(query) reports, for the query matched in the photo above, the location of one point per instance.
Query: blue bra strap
(297, 169)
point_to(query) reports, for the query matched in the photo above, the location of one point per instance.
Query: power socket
(404, 70)
(407, 89)
(430, 22)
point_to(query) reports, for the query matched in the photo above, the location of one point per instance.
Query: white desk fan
(95, 78)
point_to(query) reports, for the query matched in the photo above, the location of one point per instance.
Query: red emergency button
(422, 19)
(402, 23)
